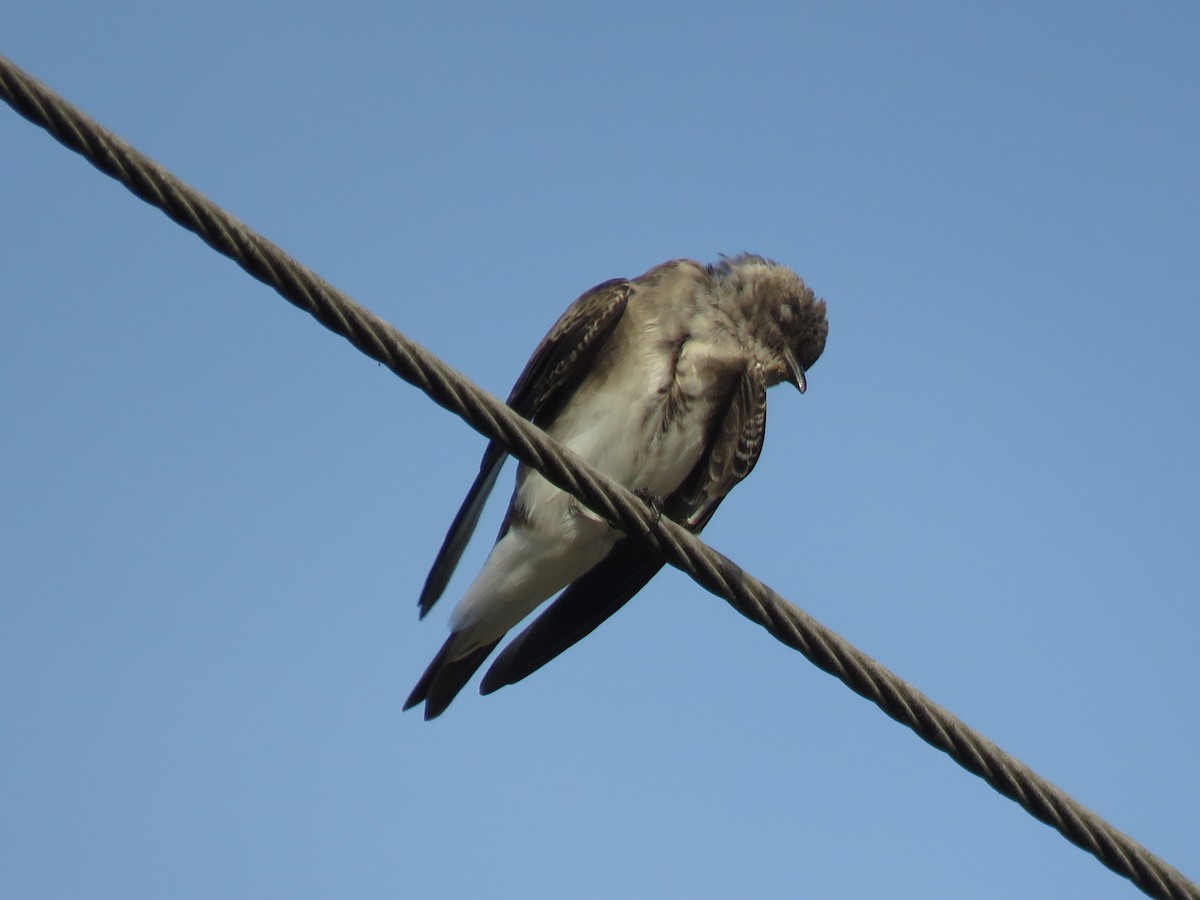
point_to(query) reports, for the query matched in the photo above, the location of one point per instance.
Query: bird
(659, 382)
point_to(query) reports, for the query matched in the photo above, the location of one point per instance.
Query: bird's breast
(644, 420)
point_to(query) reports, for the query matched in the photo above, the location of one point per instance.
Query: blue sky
(217, 516)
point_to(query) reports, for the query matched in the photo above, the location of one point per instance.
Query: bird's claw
(653, 501)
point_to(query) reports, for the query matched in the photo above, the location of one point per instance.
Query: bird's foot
(653, 501)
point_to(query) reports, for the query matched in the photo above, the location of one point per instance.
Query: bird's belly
(628, 436)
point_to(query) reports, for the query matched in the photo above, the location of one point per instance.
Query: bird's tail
(446, 676)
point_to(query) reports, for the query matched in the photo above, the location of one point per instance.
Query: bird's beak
(796, 371)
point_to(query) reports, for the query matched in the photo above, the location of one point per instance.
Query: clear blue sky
(215, 517)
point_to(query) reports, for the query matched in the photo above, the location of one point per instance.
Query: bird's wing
(550, 377)
(576, 613)
(733, 450)
(735, 442)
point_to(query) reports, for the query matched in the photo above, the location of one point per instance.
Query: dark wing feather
(735, 443)
(586, 603)
(549, 378)
(563, 357)
(461, 529)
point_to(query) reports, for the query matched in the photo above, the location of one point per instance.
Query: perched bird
(659, 382)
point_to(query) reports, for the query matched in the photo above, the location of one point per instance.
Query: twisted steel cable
(487, 415)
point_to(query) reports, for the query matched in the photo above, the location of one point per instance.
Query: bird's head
(782, 318)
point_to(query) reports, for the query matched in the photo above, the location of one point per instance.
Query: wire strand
(487, 415)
